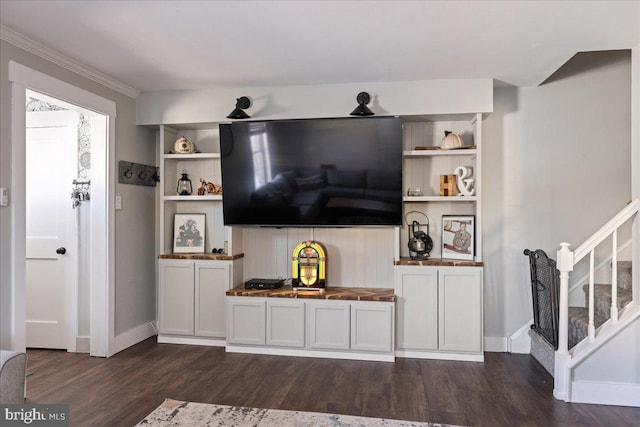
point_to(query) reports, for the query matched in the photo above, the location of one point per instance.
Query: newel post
(565, 265)
(562, 378)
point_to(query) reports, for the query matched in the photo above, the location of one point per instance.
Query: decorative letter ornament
(465, 183)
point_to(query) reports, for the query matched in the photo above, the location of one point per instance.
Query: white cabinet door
(460, 300)
(417, 308)
(329, 325)
(285, 323)
(246, 320)
(372, 326)
(212, 280)
(175, 299)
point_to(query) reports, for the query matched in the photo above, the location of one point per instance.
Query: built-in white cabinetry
(285, 323)
(460, 321)
(422, 169)
(176, 297)
(329, 326)
(417, 308)
(191, 300)
(203, 164)
(439, 312)
(313, 328)
(246, 321)
(372, 327)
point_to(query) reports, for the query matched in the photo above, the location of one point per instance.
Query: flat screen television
(342, 172)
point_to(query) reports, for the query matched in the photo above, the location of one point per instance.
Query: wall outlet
(4, 196)
(118, 202)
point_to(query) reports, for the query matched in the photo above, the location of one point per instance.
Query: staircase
(597, 354)
(579, 316)
(578, 328)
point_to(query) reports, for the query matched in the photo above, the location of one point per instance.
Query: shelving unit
(191, 287)
(451, 289)
(204, 164)
(422, 168)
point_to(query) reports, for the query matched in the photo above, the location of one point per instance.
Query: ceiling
(169, 45)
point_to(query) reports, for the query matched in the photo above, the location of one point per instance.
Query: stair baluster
(614, 277)
(591, 327)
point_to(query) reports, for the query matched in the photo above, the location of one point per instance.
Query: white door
(51, 155)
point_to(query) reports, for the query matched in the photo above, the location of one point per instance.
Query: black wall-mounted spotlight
(363, 99)
(242, 104)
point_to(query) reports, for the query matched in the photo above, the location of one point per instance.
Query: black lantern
(184, 185)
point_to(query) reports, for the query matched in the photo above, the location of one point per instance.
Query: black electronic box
(263, 284)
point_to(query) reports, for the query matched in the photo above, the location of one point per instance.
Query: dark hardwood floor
(505, 390)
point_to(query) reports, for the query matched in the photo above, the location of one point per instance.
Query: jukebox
(309, 266)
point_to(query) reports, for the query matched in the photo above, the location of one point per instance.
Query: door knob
(61, 250)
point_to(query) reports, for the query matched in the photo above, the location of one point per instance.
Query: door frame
(102, 267)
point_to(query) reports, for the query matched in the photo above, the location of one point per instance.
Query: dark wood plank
(505, 390)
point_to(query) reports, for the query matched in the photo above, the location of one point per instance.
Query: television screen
(312, 173)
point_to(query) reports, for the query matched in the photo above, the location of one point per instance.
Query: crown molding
(32, 46)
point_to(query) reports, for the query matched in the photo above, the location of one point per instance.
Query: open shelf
(440, 199)
(431, 153)
(209, 197)
(193, 156)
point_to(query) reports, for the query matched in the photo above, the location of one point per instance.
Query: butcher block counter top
(202, 257)
(331, 293)
(438, 262)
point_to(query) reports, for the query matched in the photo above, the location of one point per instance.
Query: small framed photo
(458, 237)
(188, 233)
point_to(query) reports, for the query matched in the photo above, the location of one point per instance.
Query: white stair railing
(566, 260)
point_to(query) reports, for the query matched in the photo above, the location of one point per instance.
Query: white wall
(135, 225)
(329, 100)
(556, 166)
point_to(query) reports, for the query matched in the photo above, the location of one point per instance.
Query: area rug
(177, 413)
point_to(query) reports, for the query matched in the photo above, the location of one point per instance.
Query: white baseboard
(210, 342)
(311, 353)
(440, 355)
(83, 344)
(603, 393)
(520, 341)
(495, 344)
(134, 336)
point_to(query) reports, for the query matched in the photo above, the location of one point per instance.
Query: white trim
(520, 341)
(102, 264)
(635, 122)
(51, 86)
(18, 218)
(209, 342)
(372, 357)
(440, 356)
(32, 46)
(134, 336)
(83, 344)
(605, 393)
(496, 344)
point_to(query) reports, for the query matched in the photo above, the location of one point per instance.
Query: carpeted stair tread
(602, 294)
(624, 274)
(579, 324)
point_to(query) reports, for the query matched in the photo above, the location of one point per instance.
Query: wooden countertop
(439, 262)
(332, 293)
(202, 256)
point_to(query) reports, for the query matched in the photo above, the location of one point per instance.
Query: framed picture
(458, 237)
(188, 233)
